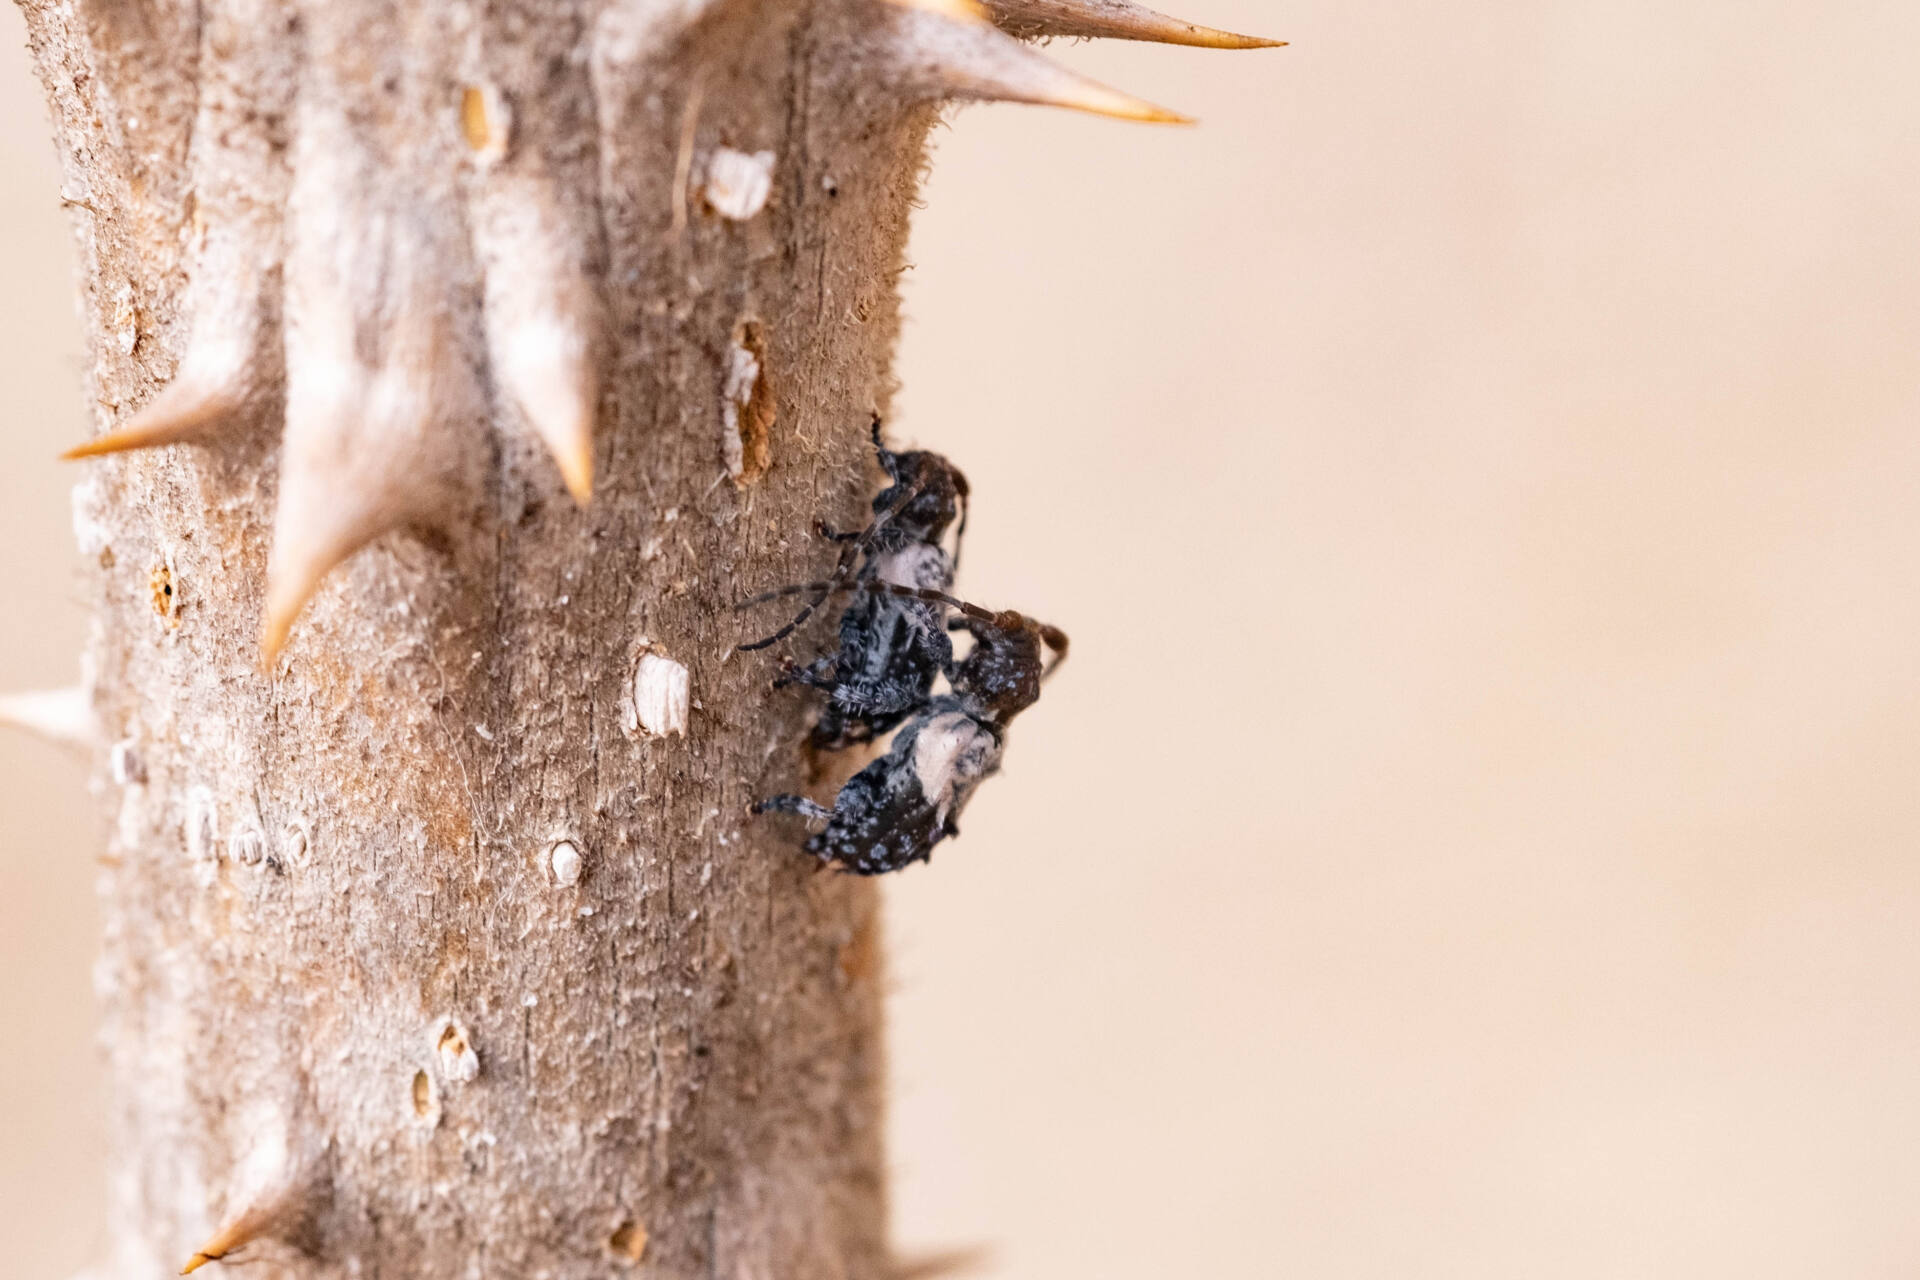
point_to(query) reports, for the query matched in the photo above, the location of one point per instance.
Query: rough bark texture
(325, 876)
(441, 944)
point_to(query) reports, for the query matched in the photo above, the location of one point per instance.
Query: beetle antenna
(960, 534)
(849, 554)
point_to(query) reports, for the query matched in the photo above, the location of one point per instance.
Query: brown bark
(435, 948)
(326, 867)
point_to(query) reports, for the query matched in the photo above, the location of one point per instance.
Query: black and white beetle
(896, 809)
(892, 646)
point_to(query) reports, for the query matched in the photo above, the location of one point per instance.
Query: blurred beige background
(1478, 833)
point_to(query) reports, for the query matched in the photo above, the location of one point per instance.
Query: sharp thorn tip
(1117, 20)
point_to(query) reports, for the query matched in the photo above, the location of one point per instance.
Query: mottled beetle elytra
(893, 645)
(891, 648)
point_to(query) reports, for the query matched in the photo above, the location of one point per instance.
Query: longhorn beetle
(891, 646)
(895, 810)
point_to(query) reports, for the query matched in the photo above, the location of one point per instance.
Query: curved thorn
(546, 365)
(385, 404)
(380, 435)
(1116, 20)
(542, 319)
(273, 1213)
(279, 1183)
(215, 377)
(221, 1244)
(386, 450)
(390, 449)
(291, 581)
(341, 482)
(939, 56)
(183, 413)
(257, 1221)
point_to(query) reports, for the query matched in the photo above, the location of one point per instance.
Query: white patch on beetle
(951, 753)
(918, 564)
(563, 859)
(662, 693)
(737, 183)
(425, 1099)
(459, 1063)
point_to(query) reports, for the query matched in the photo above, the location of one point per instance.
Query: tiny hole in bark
(165, 594)
(422, 1094)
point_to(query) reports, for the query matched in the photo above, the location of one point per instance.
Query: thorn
(206, 393)
(385, 409)
(273, 1214)
(551, 375)
(542, 319)
(279, 1186)
(180, 414)
(219, 1245)
(938, 56)
(385, 452)
(61, 716)
(1113, 19)
(296, 571)
(376, 451)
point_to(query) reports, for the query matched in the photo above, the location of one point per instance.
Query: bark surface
(441, 943)
(360, 1020)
